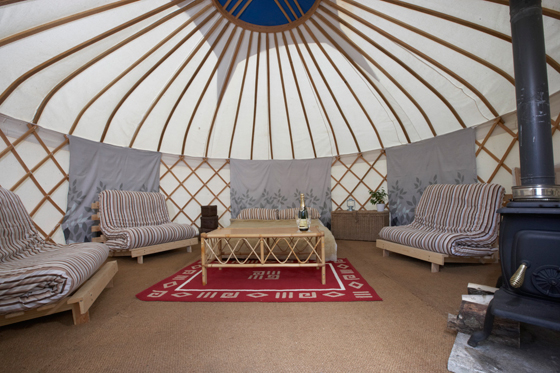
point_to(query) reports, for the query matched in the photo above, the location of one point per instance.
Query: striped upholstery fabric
(258, 214)
(459, 220)
(33, 272)
(138, 219)
(293, 213)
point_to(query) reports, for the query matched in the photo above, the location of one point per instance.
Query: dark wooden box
(210, 210)
(205, 230)
(210, 222)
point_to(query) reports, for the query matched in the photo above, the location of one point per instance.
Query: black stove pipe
(531, 88)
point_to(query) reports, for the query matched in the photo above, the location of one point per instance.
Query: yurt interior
(280, 185)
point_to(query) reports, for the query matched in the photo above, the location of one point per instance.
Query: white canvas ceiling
(183, 77)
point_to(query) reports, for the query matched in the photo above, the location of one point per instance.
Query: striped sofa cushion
(33, 272)
(126, 209)
(258, 214)
(137, 219)
(292, 213)
(459, 220)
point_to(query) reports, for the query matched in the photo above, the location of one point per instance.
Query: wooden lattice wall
(34, 163)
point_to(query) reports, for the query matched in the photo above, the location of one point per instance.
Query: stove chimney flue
(533, 104)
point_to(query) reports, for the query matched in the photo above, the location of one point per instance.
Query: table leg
(323, 270)
(203, 260)
(262, 250)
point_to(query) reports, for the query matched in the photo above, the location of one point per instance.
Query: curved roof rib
(267, 79)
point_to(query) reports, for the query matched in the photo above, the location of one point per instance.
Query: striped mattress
(137, 219)
(34, 273)
(460, 220)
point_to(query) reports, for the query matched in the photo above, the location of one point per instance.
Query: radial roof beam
(137, 84)
(178, 72)
(333, 96)
(427, 35)
(284, 94)
(16, 83)
(317, 95)
(146, 55)
(301, 98)
(93, 61)
(256, 93)
(410, 48)
(223, 89)
(552, 62)
(240, 93)
(387, 53)
(545, 11)
(366, 76)
(195, 73)
(59, 22)
(356, 98)
(268, 95)
(195, 110)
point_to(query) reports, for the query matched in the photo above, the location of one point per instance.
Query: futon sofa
(137, 223)
(453, 223)
(38, 277)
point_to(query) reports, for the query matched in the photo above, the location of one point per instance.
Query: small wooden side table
(358, 225)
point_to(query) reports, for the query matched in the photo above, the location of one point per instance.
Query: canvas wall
(189, 183)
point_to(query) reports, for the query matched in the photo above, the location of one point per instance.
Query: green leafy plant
(378, 196)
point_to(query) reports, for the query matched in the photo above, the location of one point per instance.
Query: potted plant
(378, 198)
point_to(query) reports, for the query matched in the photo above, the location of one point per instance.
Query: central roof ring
(267, 15)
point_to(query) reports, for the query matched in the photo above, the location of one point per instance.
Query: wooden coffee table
(270, 247)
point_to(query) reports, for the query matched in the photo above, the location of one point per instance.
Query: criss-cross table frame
(267, 247)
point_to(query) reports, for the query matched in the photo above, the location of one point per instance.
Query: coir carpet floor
(284, 284)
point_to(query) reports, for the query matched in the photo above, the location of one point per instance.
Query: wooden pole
(323, 270)
(203, 258)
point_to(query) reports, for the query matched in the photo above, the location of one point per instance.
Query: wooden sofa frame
(139, 252)
(79, 302)
(435, 258)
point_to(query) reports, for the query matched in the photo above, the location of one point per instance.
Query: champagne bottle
(303, 214)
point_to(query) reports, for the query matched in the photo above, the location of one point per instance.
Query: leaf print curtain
(447, 159)
(95, 167)
(278, 184)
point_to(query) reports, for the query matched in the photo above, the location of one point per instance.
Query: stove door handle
(519, 276)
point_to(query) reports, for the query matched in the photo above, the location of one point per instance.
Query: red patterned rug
(291, 284)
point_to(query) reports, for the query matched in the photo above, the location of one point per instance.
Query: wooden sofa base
(139, 252)
(79, 302)
(436, 259)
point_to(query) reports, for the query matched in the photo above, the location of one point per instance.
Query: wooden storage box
(205, 230)
(209, 222)
(208, 211)
(358, 225)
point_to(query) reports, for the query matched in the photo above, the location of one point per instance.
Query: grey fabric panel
(95, 167)
(278, 183)
(446, 159)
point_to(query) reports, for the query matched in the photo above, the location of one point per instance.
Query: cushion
(125, 239)
(34, 272)
(132, 219)
(259, 214)
(126, 209)
(459, 220)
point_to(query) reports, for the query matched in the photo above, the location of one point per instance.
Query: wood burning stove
(530, 226)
